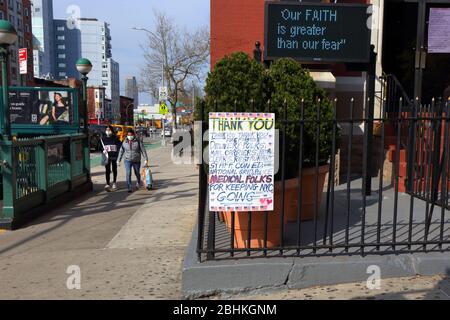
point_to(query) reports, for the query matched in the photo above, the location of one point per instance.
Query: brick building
(18, 12)
(236, 26)
(96, 104)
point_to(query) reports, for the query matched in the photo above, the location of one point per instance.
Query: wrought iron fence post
(412, 148)
(201, 186)
(9, 183)
(87, 157)
(71, 162)
(370, 118)
(41, 153)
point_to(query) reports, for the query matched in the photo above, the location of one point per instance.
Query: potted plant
(235, 81)
(291, 88)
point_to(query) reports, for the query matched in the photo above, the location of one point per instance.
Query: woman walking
(133, 150)
(111, 146)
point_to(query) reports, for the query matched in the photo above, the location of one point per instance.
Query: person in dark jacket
(133, 150)
(111, 144)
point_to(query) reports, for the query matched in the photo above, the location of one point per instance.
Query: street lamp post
(84, 66)
(8, 36)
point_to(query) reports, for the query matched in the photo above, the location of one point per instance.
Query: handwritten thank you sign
(242, 158)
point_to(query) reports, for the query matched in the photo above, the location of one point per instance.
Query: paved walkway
(127, 246)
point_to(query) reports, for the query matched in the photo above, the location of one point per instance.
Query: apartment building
(43, 39)
(18, 12)
(90, 39)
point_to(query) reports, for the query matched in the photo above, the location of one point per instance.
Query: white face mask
(109, 133)
(131, 138)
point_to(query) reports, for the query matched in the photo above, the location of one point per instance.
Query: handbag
(147, 178)
(105, 155)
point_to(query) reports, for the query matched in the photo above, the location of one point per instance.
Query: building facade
(96, 104)
(43, 39)
(126, 110)
(111, 81)
(91, 39)
(131, 89)
(18, 12)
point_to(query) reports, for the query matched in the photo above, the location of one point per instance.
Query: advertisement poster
(41, 107)
(242, 160)
(439, 31)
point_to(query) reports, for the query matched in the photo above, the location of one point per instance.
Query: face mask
(109, 133)
(131, 138)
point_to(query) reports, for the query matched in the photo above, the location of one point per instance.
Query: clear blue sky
(123, 15)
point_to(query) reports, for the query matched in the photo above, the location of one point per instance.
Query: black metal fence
(406, 210)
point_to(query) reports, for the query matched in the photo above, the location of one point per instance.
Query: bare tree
(174, 56)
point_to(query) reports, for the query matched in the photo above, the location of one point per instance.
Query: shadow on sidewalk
(119, 205)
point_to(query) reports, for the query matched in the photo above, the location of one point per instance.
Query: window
(105, 83)
(61, 65)
(61, 38)
(62, 74)
(61, 47)
(105, 74)
(60, 28)
(26, 12)
(61, 56)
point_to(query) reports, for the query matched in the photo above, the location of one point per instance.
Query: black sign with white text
(318, 32)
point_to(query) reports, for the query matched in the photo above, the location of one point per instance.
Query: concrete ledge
(214, 277)
(246, 275)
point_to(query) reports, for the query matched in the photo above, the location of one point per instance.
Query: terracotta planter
(290, 214)
(308, 194)
(257, 238)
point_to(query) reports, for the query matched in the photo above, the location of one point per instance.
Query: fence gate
(428, 167)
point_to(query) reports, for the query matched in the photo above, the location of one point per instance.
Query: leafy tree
(174, 56)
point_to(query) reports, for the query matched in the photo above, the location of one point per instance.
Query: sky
(124, 15)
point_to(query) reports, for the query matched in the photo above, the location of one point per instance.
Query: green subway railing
(37, 171)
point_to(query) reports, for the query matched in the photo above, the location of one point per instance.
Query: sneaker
(114, 186)
(108, 188)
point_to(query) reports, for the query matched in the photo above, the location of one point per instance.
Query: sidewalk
(127, 246)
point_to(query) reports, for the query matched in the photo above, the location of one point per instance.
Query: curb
(266, 274)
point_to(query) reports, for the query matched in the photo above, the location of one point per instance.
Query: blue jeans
(136, 166)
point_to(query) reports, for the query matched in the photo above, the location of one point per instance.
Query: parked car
(122, 131)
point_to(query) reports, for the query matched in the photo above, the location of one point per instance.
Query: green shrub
(239, 78)
(289, 84)
(236, 78)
